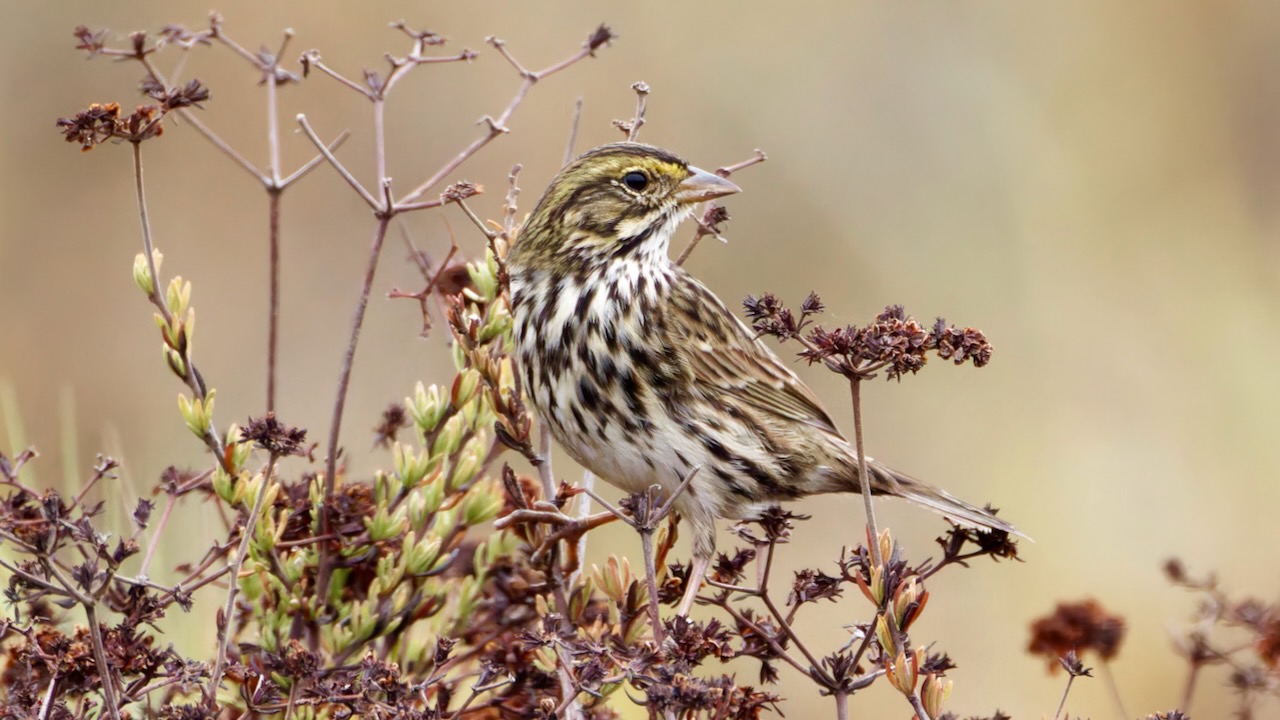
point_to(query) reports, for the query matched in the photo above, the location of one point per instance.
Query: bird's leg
(698, 570)
(704, 548)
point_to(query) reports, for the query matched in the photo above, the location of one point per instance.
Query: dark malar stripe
(627, 244)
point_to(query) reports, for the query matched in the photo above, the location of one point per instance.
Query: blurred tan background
(1092, 183)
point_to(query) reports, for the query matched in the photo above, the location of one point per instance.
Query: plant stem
(339, 403)
(855, 388)
(273, 228)
(233, 583)
(155, 534)
(193, 378)
(1188, 691)
(273, 314)
(651, 581)
(105, 676)
(914, 699)
(1115, 689)
(842, 705)
(1063, 702)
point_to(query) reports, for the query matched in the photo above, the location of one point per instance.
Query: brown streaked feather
(735, 363)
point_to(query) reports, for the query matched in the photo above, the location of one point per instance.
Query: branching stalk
(233, 584)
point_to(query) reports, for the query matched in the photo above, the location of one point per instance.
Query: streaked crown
(612, 201)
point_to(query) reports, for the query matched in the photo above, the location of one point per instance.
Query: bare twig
(156, 533)
(192, 376)
(233, 588)
(497, 127)
(637, 122)
(105, 672)
(1063, 702)
(714, 214)
(344, 379)
(756, 159)
(573, 132)
(864, 485)
(337, 165)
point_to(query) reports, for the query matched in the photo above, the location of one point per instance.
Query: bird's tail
(887, 481)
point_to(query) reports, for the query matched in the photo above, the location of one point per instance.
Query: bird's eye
(636, 180)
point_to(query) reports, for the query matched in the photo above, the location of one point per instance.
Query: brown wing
(727, 359)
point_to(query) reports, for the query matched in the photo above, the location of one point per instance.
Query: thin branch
(337, 165)
(314, 162)
(311, 59)
(154, 542)
(637, 121)
(1188, 690)
(213, 138)
(215, 28)
(192, 377)
(1115, 689)
(273, 127)
(228, 613)
(339, 403)
(713, 215)
(917, 706)
(510, 208)
(105, 674)
(756, 159)
(273, 292)
(855, 389)
(1066, 691)
(573, 132)
(489, 232)
(499, 126)
(424, 205)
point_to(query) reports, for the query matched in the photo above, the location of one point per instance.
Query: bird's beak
(702, 185)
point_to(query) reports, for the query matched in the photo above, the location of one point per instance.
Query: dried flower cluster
(895, 343)
(1076, 628)
(1239, 634)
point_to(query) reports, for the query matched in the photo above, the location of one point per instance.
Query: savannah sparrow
(644, 376)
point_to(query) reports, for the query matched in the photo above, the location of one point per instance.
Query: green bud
(294, 565)
(384, 526)
(485, 279)
(337, 581)
(884, 635)
(142, 273)
(483, 503)
(421, 556)
(410, 468)
(468, 466)
(446, 521)
(426, 407)
(465, 385)
(459, 357)
(389, 572)
(934, 693)
(417, 506)
(197, 414)
(175, 361)
(239, 450)
(432, 497)
(506, 376)
(450, 437)
(499, 324)
(223, 486)
(466, 600)
(178, 296)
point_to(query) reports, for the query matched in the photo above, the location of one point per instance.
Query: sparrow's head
(614, 201)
